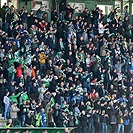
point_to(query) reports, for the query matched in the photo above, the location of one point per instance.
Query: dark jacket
(83, 121)
(96, 118)
(90, 118)
(112, 115)
(60, 120)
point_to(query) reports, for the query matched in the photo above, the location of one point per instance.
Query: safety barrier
(37, 130)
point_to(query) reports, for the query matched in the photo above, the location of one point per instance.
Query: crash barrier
(37, 130)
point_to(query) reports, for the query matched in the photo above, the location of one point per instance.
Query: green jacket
(13, 98)
(38, 120)
(23, 97)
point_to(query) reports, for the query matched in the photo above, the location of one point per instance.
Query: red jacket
(19, 71)
(92, 95)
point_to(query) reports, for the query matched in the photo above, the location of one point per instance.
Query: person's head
(33, 101)
(118, 62)
(131, 71)
(24, 102)
(8, 131)
(126, 112)
(45, 14)
(20, 84)
(43, 110)
(131, 95)
(113, 25)
(45, 131)
(63, 112)
(97, 95)
(88, 56)
(102, 86)
(97, 111)
(34, 84)
(13, 83)
(83, 112)
(101, 21)
(66, 130)
(130, 88)
(64, 102)
(7, 93)
(114, 70)
(10, 121)
(50, 110)
(103, 111)
(41, 8)
(68, 6)
(15, 104)
(126, 18)
(130, 80)
(26, 131)
(54, 10)
(90, 111)
(78, 94)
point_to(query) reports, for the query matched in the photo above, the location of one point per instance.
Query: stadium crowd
(69, 72)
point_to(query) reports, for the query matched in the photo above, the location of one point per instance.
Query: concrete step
(0, 115)
(3, 123)
(1, 118)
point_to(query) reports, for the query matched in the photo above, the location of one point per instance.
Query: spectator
(83, 121)
(54, 15)
(120, 122)
(9, 123)
(43, 118)
(24, 19)
(38, 119)
(30, 120)
(39, 13)
(43, 58)
(67, 70)
(66, 130)
(104, 121)
(24, 111)
(6, 102)
(13, 112)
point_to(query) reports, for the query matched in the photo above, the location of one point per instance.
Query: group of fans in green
(74, 71)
